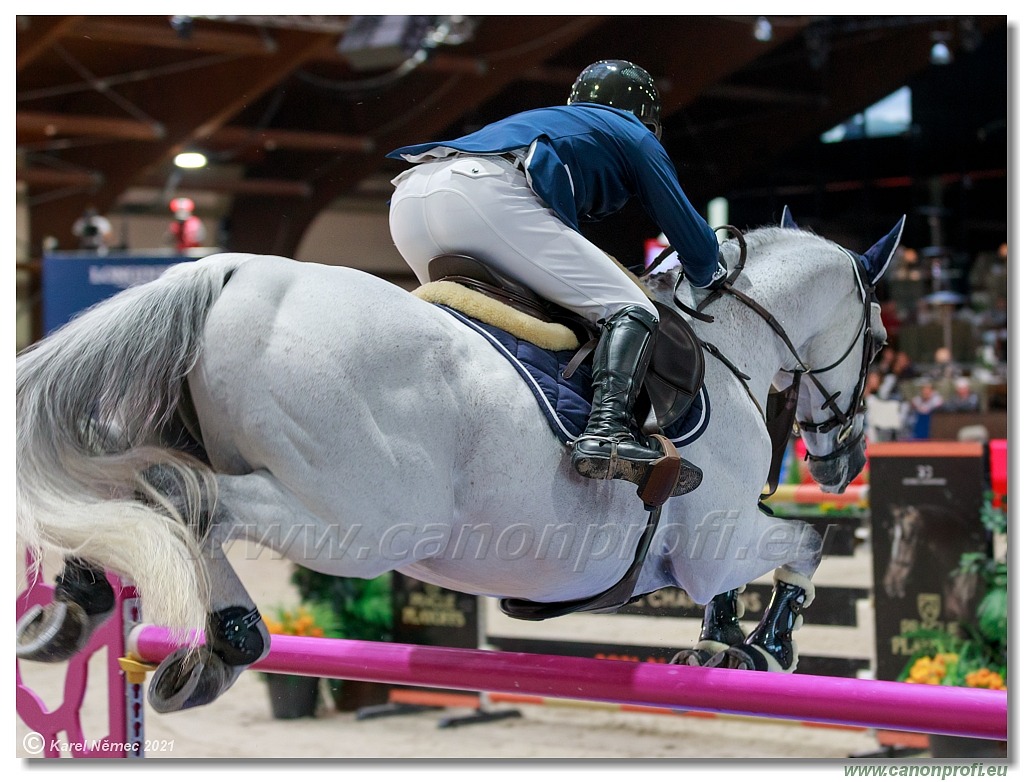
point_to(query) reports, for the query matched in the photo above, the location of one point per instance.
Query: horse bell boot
(608, 448)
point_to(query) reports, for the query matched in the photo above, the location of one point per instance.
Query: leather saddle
(676, 371)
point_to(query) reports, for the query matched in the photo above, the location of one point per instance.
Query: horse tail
(92, 399)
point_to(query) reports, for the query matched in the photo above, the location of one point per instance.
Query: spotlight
(763, 29)
(190, 160)
(941, 55)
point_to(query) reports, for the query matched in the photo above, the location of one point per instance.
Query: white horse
(356, 429)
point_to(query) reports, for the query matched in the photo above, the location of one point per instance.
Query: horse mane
(755, 239)
(758, 238)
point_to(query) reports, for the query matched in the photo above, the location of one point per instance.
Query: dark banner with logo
(925, 500)
(430, 615)
(433, 616)
(74, 281)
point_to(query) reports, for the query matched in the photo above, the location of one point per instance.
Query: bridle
(841, 418)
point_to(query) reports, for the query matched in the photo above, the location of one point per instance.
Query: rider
(512, 195)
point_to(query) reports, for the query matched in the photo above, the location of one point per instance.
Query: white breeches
(482, 206)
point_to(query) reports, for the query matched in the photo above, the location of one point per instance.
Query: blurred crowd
(946, 351)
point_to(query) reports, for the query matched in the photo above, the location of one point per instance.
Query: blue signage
(74, 281)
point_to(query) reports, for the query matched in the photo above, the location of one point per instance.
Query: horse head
(906, 531)
(834, 387)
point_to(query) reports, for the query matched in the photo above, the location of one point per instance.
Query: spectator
(926, 402)
(902, 369)
(886, 359)
(944, 367)
(965, 399)
(93, 230)
(187, 230)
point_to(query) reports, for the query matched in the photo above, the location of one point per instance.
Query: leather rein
(842, 418)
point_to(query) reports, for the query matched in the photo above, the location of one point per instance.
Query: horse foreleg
(719, 630)
(82, 601)
(236, 637)
(770, 647)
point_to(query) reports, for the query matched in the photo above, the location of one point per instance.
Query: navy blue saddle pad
(566, 403)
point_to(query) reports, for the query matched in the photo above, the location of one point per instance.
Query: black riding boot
(607, 448)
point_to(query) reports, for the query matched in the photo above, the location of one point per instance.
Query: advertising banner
(74, 281)
(925, 502)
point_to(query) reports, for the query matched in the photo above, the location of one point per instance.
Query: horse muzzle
(836, 470)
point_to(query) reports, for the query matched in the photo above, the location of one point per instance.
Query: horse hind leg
(236, 637)
(770, 647)
(719, 631)
(83, 600)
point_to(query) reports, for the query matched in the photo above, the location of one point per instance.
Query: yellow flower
(985, 679)
(305, 620)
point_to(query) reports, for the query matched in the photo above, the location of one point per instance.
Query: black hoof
(55, 632)
(190, 678)
(695, 657)
(747, 657)
(707, 654)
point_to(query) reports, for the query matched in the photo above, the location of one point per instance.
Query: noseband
(839, 417)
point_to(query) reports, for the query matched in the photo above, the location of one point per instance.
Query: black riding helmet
(622, 85)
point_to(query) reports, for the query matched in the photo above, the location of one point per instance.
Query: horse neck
(801, 282)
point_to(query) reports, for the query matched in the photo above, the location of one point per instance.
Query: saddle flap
(676, 371)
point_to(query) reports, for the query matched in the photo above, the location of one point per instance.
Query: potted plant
(976, 655)
(364, 612)
(294, 696)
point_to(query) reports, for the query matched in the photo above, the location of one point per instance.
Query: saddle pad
(566, 403)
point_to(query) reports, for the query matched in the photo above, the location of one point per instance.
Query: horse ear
(876, 260)
(787, 219)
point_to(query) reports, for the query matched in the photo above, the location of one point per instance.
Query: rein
(842, 418)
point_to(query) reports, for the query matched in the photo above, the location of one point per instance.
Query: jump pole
(917, 708)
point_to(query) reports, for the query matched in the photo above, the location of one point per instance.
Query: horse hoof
(52, 633)
(750, 657)
(696, 657)
(189, 678)
(706, 654)
(739, 658)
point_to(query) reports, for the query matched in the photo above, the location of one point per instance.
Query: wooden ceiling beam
(56, 125)
(733, 48)
(39, 34)
(274, 138)
(51, 124)
(161, 35)
(188, 114)
(260, 225)
(128, 31)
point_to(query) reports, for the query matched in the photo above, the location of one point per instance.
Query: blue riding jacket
(586, 161)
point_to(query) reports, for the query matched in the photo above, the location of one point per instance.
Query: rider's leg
(608, 447)
(484, 207)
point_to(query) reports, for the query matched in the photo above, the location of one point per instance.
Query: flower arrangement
(313, 620)
(362, 607)
(977, 656)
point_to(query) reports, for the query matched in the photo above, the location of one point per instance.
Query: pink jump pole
(919, 708)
